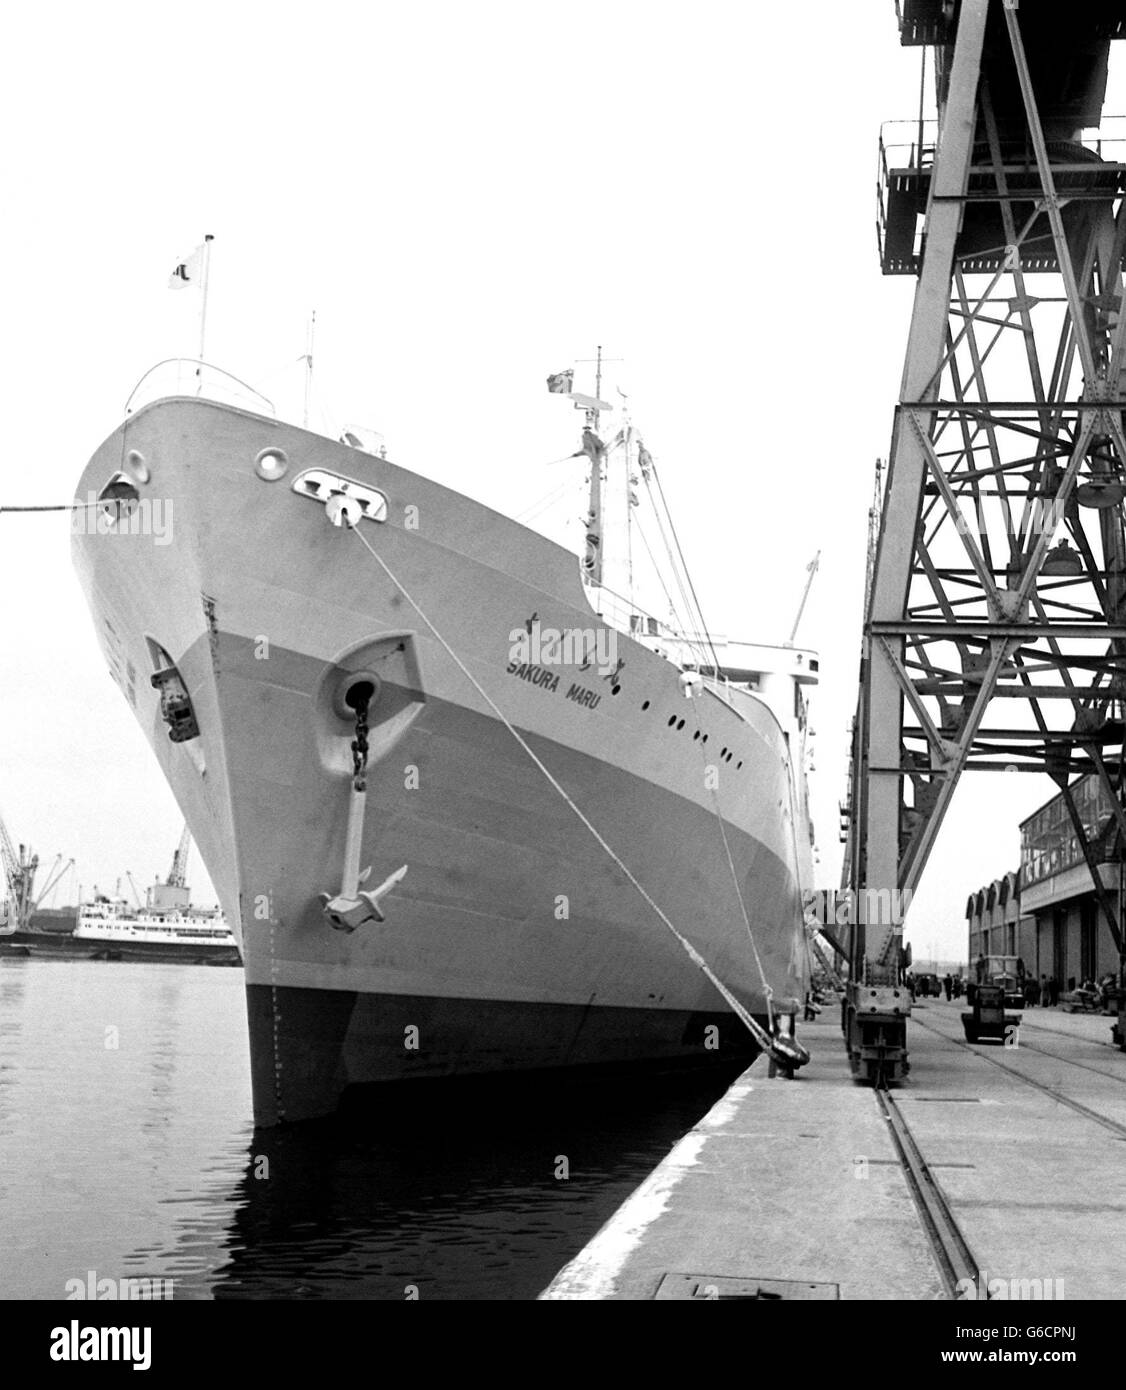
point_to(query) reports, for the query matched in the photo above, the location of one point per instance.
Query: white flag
(189, 271)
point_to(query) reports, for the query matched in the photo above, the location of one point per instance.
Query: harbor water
(128, 1151)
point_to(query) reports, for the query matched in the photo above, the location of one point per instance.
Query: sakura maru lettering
(582, 696)
(535, 675)
(549, 681)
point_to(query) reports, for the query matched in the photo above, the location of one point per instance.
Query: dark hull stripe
(309, 1047)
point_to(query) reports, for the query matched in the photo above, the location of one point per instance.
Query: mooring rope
(56, 507)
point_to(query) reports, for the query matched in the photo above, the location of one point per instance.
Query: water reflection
(128, 1150)
(464, 1192)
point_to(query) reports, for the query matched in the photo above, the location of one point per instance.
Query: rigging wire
(680, 570)
(627, 437)
(677, 577)
(683, 623)
(683, 562)
(541, 504)
(688, 627)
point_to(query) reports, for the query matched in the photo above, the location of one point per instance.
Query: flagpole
(309, 364)
(204, 278)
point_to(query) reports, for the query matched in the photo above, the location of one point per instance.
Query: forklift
(995, 993)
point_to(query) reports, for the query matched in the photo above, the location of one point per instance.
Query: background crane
(19, 880)
(177, 874)
(19, 867)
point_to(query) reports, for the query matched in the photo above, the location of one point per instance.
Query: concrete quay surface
(800, 1181)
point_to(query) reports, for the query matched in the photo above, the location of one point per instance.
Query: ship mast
(594, 450)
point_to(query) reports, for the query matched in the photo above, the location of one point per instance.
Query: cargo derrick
(995, 623)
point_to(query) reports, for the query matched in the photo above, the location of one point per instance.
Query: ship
(166, 927)
(49, 931)
(115, 929)
(467, 813)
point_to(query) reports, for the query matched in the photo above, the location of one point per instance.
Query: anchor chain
(360, 749)
(353, 907)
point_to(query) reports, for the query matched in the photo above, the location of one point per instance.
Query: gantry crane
(995, 620)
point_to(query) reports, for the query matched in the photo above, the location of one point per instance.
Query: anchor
(353, 907)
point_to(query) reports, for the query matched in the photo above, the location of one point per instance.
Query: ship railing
(630, 618)
(685, 650)
(189, 376)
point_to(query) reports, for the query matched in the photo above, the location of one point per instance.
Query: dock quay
(994, 1171)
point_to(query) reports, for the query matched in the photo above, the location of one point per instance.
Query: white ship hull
(138, 931)
(513, 942)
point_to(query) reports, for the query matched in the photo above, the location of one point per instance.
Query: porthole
(271, 464)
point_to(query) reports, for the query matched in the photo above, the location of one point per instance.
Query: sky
(470, 197)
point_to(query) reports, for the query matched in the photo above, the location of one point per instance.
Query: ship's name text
(549, 680)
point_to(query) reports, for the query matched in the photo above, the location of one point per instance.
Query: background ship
(340, 663)
(167, 927)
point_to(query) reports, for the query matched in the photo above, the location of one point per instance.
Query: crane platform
(1090, 171)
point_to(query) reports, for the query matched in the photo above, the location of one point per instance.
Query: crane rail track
(1055, 1032)
(1071, 1062)
(1112, 1125)
(952, 1253)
